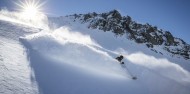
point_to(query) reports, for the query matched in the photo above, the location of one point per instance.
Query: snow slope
(72, 59)
(15, 72)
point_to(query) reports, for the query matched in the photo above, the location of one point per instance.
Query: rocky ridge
(150, 35)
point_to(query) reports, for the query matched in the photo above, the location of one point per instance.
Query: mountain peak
(115, 14)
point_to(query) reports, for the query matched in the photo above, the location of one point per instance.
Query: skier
(120, 58)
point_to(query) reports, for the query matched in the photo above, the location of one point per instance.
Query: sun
(30, 8)
(30, 11)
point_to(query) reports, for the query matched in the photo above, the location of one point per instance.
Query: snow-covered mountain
(77, 56)
(153, 37)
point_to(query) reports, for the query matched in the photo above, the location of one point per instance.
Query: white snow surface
(72, 59)
(16, 76)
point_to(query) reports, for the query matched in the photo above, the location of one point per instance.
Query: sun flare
(30, 9)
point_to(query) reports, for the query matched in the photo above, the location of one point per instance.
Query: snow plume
(161, 67)
(75, 49)
(65, 34)
(41, 21)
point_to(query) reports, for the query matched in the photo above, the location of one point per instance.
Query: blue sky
(170, 15)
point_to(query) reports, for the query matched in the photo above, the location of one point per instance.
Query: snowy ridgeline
(72, 59)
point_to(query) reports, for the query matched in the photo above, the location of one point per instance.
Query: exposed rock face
(170, 39)
(141, 33)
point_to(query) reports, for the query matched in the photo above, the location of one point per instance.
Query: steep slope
(66, 61)
(15, 73)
